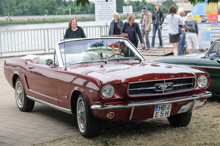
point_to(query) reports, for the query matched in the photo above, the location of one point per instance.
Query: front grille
(161, 86)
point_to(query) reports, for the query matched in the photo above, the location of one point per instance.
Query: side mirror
(49, 62)
(213, 57)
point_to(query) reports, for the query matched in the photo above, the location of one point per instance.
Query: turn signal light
(204, 102)
(110, 115)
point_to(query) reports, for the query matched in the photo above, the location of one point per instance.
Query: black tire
(180, 120)
(24, 104)
(89, 127)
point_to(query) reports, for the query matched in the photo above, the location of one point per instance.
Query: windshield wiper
(125, 58)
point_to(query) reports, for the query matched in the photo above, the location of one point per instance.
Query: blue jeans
(181, 43)
(155, 27)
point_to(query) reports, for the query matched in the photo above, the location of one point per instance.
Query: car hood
(126, 73)
(189, 59)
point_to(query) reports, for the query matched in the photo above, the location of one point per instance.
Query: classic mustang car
(209, 61)
(87, 78)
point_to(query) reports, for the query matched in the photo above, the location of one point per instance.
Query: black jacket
(161, 17)
(79, 33)
(137, 31)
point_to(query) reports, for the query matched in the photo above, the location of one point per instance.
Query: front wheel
(23, 103)
(87, 123)
(180, 120)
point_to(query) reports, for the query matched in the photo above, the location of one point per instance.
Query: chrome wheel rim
(19, 94)
(81, 115)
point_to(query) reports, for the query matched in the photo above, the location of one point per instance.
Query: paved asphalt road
(27, 128)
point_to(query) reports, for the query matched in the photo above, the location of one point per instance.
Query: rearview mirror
(49, 62)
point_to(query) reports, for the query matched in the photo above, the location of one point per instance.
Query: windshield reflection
(95, 50)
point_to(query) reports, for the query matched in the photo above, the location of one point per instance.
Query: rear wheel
(23, 103)
(180, 120)
(87, 123)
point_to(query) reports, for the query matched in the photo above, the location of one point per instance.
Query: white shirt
(173, 22)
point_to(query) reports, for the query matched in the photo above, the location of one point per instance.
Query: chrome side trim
(141, 104)
(51, 105)
(211, 67)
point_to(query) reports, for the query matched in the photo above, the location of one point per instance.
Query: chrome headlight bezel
(202, 81)
(107, 91)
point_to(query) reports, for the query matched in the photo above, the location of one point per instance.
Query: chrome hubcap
(81, 115)
(19, 94)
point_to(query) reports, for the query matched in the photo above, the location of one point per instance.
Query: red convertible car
(106, 79)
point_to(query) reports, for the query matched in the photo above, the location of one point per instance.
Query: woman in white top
(174, 32)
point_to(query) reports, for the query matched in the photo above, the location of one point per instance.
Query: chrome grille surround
(160, 87)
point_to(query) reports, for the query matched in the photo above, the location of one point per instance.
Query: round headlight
(202, 81)
(107, 91)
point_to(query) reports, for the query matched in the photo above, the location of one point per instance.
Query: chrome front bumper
(141, 104)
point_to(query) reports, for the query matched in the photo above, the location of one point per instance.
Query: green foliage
(119, 6)
(60, 7)
(168, 3)
(199, 1)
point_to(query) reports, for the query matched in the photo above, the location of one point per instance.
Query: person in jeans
(146, 26)
(74, 31)
(192, 33)
(181, 44)
(173, 22)
(133, 31)
(157, 19)
(115, 29)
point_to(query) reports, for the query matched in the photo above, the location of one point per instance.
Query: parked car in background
(84, 78)
(209, 61)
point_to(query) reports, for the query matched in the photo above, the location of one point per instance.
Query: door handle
(30, 67)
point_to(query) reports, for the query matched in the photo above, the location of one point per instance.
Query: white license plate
(162, 110)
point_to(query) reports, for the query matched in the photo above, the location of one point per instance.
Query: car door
(41, 81)
(211, 63)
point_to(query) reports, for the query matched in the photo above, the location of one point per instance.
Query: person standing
(146, 26)
(192, 33)
(116, 25)
(174, 34)
(181, 44)
(133, 31)
(74, 31)
(115, 29)
(158, 18)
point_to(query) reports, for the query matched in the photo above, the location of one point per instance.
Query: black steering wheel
(114, 55)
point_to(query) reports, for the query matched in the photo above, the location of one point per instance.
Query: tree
(199, 1)
(85, 2)
(119, 5)
(164, 9)
(168, 3)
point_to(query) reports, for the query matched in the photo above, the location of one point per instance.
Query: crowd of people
(180, 31)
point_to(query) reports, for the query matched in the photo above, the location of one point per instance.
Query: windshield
(94, 50)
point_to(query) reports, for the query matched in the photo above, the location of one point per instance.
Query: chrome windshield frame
(59, 54)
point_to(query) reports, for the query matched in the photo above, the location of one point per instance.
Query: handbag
(125, 35)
